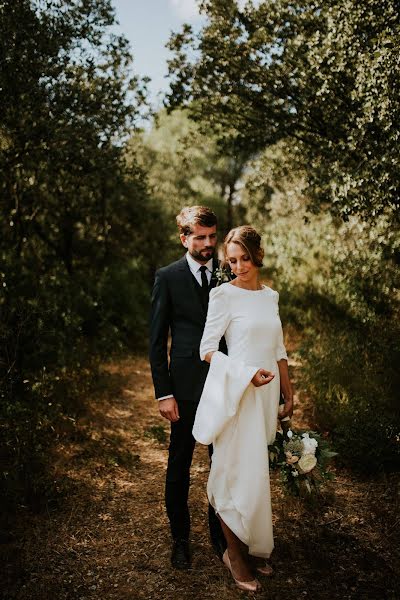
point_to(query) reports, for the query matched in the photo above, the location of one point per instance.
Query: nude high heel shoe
(247, 586)
(265, 570)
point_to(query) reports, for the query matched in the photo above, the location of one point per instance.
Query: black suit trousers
(180, 456)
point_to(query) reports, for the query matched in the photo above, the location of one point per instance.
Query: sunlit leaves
(324, 75)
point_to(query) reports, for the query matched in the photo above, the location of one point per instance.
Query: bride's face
(240, 263)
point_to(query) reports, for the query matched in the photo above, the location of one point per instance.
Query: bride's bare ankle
(240, 566)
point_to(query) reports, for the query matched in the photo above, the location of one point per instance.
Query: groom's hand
(262, 377)
(169, 409)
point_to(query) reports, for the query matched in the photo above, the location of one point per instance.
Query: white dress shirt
(194, 267)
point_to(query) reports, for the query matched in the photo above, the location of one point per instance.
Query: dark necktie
(204, 283)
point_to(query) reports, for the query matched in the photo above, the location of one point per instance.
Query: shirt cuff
(165, 397)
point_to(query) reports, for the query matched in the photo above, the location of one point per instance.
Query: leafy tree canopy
(68, 199)
(322, 74)
(186, 166)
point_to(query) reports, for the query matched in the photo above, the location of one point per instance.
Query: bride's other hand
(262, 377)
(286, 389)
(287, 409)
(208, 356)
(169, 409)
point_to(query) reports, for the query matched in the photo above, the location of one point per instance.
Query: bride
(239, 406)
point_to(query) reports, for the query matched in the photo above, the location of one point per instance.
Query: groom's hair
(195, 215)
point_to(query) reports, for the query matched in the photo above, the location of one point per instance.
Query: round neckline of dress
(264, 287)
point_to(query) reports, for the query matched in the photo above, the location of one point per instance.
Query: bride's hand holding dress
(262, 377)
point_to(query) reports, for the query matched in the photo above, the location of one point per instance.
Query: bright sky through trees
(148, 25)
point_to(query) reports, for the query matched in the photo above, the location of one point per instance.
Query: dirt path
(109, 540)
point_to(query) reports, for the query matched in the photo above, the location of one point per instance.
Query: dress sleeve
(280, 347)
(218, 318)
(226, 383)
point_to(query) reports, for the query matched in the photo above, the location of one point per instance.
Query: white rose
(307, 463)
(295, 473)
(290, 433)
(309, 445)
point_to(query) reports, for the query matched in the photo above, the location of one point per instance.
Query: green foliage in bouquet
(303, 459)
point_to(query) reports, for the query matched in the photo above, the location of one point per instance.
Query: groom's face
(201, 242)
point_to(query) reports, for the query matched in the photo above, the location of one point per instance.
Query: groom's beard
(203, 255)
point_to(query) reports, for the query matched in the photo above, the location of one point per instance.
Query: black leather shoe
(180, 557)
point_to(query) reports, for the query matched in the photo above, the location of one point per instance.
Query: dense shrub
(79, 231)
(351, 373)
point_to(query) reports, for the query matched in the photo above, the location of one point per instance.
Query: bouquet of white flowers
(303, 459)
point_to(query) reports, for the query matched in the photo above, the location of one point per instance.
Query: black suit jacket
(177, 305)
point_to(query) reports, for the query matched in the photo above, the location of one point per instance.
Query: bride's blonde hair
(248, 238)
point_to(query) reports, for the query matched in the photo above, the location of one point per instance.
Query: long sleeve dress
(237, 417)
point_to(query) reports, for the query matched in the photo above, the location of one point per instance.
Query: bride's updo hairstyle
(248, 238)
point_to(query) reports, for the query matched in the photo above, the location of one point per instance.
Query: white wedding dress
(237, 417)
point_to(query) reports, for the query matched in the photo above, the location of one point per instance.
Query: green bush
(79, 230)
(352, 375)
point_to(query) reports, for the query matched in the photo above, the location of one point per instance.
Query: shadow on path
(109, 537)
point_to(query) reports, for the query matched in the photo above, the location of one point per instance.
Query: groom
(179, 305)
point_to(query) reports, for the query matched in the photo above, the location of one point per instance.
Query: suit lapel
(192, 287)
(191, 283)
